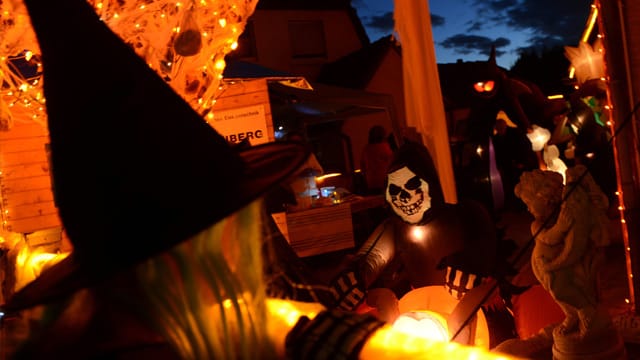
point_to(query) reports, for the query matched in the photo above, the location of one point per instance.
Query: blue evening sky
(465, 29)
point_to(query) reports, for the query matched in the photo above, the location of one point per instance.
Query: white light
(418, 233)
(538, 137)
(424, 324)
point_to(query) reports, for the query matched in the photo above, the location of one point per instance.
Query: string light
(152, 26)
(608, 109)
(149, 25)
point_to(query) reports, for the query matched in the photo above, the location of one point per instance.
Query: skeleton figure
(427, 242)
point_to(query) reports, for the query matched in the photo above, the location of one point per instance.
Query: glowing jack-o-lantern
(424, 312)
(425, 324)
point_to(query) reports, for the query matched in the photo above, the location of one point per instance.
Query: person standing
(375, 159)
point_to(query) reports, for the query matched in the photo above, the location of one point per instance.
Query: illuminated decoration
(587, 60)
(21, 97)
(27, 263)
(551, 157)
(408, 195)
(440, 305)
(503, 116)
(539, 137)
(417, 233)
(185, 42)
(30, 263)
(320, 179)
(437, 244)
(388, 342)
(598, 54)
(484, 86)
(608, 112)
(591, 22)
(426, 324)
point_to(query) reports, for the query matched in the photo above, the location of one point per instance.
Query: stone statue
(569, 228)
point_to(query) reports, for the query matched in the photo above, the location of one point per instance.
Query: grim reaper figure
(426, 241)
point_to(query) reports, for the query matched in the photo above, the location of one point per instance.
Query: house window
(246, 44)
(307, 39)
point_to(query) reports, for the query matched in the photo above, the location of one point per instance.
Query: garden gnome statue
(569, 227)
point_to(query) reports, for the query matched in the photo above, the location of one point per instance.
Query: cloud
(474, 44)
(538, 43)
(381, 23)
(437, 20)
(384, 23)
(550, 22)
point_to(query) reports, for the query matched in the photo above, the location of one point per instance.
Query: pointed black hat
(135, 169)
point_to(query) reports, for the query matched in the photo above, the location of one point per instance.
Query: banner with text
(236, 125)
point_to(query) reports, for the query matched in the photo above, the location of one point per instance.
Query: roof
(293, 97)
(312, 5)
(356, 70)
(244, 69)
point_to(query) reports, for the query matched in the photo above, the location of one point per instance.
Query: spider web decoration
(185, 42)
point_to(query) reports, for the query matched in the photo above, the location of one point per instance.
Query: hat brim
(267, 165)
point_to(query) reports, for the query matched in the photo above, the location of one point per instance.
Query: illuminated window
(307, 39)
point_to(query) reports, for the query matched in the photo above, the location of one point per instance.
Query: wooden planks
(25, 183)
(317, 230)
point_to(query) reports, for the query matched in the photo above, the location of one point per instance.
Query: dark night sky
(465, 29)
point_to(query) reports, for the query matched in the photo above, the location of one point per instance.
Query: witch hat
(135, 169)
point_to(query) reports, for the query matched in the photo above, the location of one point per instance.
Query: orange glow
(387, 342)
(418, 233)
(437, 300)
(482, 86)
(616, 154)
(390, 344)
(29, 264)
(593, 17)
(591, 22)
(326, 176)
(425, 324)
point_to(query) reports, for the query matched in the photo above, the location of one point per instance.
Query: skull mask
(408, 195)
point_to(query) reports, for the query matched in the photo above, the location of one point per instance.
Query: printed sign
(236, 125)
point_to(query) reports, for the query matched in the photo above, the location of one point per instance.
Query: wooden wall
(25, 183)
